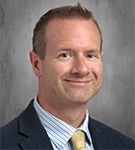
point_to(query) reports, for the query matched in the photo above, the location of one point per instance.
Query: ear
(35, 62)
(102, 55)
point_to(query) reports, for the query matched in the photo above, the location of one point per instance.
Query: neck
(73, 114)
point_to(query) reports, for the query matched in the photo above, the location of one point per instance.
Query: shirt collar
(58, 131)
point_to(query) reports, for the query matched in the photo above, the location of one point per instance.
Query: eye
(91, 56)
(64, 55)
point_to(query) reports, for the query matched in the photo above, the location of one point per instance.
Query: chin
(80, 99)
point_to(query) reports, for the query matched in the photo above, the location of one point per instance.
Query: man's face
(71, 72)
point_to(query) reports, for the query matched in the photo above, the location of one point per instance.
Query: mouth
(77, 82)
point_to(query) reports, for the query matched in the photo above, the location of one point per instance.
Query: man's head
(65, 12)
(71, 72)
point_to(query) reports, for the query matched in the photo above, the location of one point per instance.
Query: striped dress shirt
(59, 131)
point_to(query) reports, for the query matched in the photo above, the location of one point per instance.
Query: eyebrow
(94, 50)
(70, 49)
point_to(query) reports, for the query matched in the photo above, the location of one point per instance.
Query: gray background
(114, 104)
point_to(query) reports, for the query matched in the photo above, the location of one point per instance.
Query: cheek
(58, 70)
(98, 70)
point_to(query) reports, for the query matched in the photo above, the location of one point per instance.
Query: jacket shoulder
(9, 133)
(109, 137)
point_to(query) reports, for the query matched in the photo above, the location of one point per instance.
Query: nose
(80, 67)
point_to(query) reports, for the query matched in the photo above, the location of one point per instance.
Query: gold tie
(78, 140)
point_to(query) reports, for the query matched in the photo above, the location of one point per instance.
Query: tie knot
(78, 140)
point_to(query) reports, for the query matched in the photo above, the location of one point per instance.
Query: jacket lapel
(101, 136)
(95, 134)
(31, 128)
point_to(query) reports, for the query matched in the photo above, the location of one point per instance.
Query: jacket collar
(31, 128)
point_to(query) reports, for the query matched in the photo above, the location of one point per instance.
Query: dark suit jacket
(26, 132)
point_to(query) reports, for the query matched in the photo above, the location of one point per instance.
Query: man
(67, 59)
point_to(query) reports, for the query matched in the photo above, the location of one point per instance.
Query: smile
(75, 82)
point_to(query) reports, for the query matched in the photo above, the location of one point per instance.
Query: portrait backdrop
(114, 104)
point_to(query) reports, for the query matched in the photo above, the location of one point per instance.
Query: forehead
(74, 33)
(58, 24)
